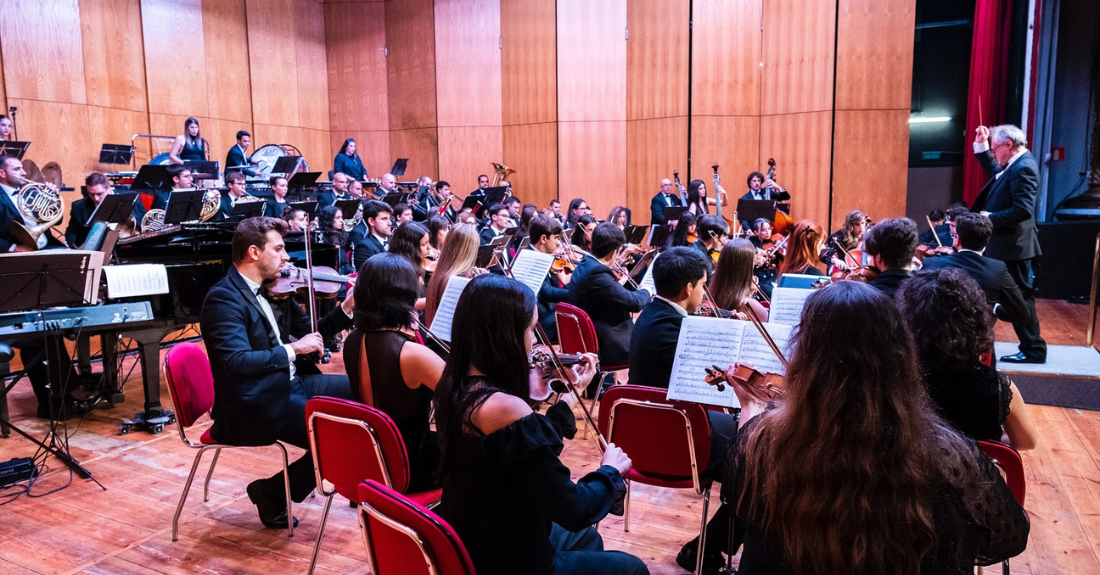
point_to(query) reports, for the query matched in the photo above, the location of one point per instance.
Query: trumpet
(40, 203)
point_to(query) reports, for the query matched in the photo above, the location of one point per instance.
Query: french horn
(41, 203)
(152, 221)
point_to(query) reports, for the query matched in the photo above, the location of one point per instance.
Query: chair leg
(183, 496)
(1004, 568)
(286, 486)
(209, 474)
(320, 534)
(702, 532)
(626, 508)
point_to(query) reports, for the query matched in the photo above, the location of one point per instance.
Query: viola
(545, 376)
(294, 280)
(761, 385)
(862, 274)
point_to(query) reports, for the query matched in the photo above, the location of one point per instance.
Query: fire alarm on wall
(1057, 154)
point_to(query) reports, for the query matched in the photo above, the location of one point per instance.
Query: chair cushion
(344, 451)
(426, 498)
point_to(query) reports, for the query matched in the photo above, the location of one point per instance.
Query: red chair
(577, 334)
(404, 538)
(352, 442)
(1011, 465)
(668, 442)
(191, 386)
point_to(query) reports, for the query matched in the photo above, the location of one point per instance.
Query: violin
(861, 274)
(562, 264)
(294, 281)
(761, 385)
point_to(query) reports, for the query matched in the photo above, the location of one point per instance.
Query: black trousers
(302, 480)
(1027, 329)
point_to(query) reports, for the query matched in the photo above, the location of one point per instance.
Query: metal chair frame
(372, 559)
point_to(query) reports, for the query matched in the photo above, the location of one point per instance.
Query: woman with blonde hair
(456, 258)
(804, 250)
(731, 286)
(847, 238)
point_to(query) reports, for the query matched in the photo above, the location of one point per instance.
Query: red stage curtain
(988, 79)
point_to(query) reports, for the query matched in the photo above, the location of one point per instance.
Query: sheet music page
(705, 342)
(756, 351)
(647, 279)
(445, 313)
(136, 280)
(531, 268)
(787, 304)
(95, 269)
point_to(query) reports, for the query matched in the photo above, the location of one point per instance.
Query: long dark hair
(385, 293)
(198, 139)
(344, 147)
(693, 196)
(843, 470)
(405, 242)
(680, 236)
(949, 316)
(487, 334)
(573, 204)
(326, 222)
(731, 284)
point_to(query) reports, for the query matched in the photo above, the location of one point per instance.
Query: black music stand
(674, 213)
(152, 177)
(485, 256)
(245, 210)
(302, 180)
(348, 208)
(639, 268)
(115, 208)
(287, 165)
(472, 203)
(310, 208)
(394, 198)
(203, 170)
(399, 166)
(14, 149)
(751, 210)
(116, 154)
(660, 235)
(184, 206)
(635, 234)
(492, 197)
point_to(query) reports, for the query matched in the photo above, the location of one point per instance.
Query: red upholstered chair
(577, 334)
(351, 443)
(405, 538)
(1010, 464)
(191, 386)
(667, 441)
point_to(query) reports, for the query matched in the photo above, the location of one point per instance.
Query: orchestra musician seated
(843, 241)
(972, 233)
(277, 203)
(482, 185)
(402, 213)
(599, 291)
(713, 233)
(371, 235)
(581, 236)
(410, 241)
(355, 190)
(545, 234)
(499, 221)
(258, 354)
(387, 185)
(5, 127)
(665, 198)
(940, 229)
(235, 158)
(505, 491)
(438, 228)
(339, 191)
(297, 219)
(804, 247)
(577, 208)
(878, 482)
(236, 188)
(456, 258)
(387, 368)
(685, 233)
(731, 286)
(515, 207)
(555, 208)
(759, 189)
(96, 187)
(347, 162)
(770, 255)
(890, 246)
(182, 179)
(953, 329)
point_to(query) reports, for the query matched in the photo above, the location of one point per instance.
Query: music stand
(674, 213)
(51, 278)
(751, 210)
(394, 198)
(310, 208)
(303, 180)
(485, 256)
(116, 153)
(635, 234)
(184, 206)
(660, 235)
(399, 166)
(639, 268)
(244, 210)
(14, 149)
(203, 170)
(152, 177)
(472, 203)
(348, 208)
(287, 165)
(115, 208)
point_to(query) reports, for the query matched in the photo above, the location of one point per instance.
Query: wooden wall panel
(175, 72)
(657, 60)
(113, 126)
(226, 46)
(355, 38)
(798, 56)
(43, 57)
(309, 26)
(532, 151)
(875, 42)
(872, 155)
(272, 62)
(410, 37)
(465, 152)
(41, 123)
(529, 80)
(114, 57)
(655, 148)
(725, 58)
(732, 142)
(800, 145)
(591, 60)
(421, 147)
(592, 163)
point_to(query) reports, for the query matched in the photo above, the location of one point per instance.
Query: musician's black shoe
(1022, 357)
(272, 514)
(712, 560)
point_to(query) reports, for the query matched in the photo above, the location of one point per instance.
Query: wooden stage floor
(127, 528)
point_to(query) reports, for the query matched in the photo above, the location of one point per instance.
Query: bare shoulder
(499, 411)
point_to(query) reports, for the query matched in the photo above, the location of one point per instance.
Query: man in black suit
(761, 190)
(890, 246)
(1009, 202)
(597, 291)
(498, 222)
(12, 178)
(97, 187)
(482, 185)
(545, 234)
(972, 233)
(235, 190)
(371, 235)
(664, 199)
(235, 159)
(260, 386)
(339, 191)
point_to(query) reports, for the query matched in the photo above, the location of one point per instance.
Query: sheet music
(531, 268)
(95, 268)
(136, 280)
(705, 342)
(787, 304)
(756, 351)
(647, 279)
(444, 314)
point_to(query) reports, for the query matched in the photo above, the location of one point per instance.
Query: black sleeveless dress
(409, 408)
(193, 152)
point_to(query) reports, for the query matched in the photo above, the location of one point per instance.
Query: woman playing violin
(456, 258)
(732, 285)
(804, 250)
(410, 240)
(846, 239)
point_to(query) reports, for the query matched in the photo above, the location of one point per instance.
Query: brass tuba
(37, 202)
(500, 174)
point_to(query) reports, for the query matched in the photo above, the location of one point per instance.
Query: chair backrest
(660, 436)
(403, 538)
(190, 382)
(352, 442)
(1009, 462)
(576, 333)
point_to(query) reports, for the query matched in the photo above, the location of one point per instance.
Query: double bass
(782, 224)
(720, 200)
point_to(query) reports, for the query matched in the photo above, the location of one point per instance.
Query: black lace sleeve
(998, 523)
(1004, 396)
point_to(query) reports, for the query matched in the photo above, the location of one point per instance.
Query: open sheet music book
(531, 268)
(787, 304)
(708, 341)
(445, 313)
(647, 279)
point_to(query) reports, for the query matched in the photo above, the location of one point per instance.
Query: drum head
(264, 158)
(160, 159)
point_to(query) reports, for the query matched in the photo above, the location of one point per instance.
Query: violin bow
(416, 323)
(933, 228)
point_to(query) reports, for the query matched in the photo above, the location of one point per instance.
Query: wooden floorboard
(127, 528)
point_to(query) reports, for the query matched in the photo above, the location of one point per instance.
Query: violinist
(387, 369)
(940, 230)
(713, 234)
(438, 227)
(410, 240)
(457, 257)
(890, 246)
(804, 250)
(686, 232)
(679, 275)
(619, 216)
(257, 352)
(732, 283)
(582, 234)
(599, 291)
(769, 254)
(546, 238)
(577, 208)
(846, 239)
